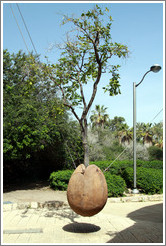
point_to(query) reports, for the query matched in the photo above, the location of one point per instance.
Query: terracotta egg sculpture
(87, 190)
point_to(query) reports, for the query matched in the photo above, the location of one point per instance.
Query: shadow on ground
(77, 227)
(74, 227)
(25, 185)
(148, 227)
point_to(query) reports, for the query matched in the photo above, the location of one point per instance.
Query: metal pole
(155, 68)
(134, 191)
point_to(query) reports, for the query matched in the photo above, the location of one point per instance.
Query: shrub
(116, 185)
(142, 152)
(155, 153)
(59, 180)
(149, 180)
(118, 166)
(101, 164)
(156, 164)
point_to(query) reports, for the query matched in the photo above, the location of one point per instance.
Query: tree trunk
(85, 143)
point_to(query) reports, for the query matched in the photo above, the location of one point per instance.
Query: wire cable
(26, 27)
(19, 28)
(157, 115)
(127, 146)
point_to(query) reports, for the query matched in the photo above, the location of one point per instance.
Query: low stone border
(58, 204)
(137, 198)
(34, 205)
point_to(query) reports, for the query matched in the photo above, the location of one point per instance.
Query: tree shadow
(148, 227)
(74, 227)
(25, 185)
(64, 212)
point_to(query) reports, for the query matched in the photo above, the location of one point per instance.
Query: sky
(139, 25)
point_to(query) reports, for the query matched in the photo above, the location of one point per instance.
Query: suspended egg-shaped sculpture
(87, 190)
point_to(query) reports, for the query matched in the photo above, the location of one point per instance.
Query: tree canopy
(34, 120)
(85, 56)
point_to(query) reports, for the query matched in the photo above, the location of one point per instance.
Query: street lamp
(155, 68)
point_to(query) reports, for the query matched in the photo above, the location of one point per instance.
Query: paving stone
(123, 222)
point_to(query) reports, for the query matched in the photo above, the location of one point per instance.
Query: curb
(8, 206)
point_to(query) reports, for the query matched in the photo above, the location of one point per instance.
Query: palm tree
(117, 124)
(158, 134)
(125, 135)
(145, 131)
(99, 117)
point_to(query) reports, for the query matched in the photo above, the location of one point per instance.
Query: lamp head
(155, 68)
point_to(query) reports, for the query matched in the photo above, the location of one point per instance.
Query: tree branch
(82, 93)
(93, 93)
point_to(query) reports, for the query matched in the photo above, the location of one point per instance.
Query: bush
(149, 180)
(156, 164)
(118, 167)
(59, 180)
(155, 153)
(116, 185)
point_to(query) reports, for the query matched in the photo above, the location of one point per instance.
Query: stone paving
(118, 222)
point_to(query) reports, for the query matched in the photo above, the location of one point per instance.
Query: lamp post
(155, 68)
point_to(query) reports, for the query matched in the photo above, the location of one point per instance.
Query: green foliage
(85, 57)
(111, 152)
(36, 127)
(155, 153)
(103, 145)
(117, 124)
(29, 117)
(149, 180)
(99, 117)
(118, 167)
(157, 130)
(156, 164)
(59, 180)
(116, 185)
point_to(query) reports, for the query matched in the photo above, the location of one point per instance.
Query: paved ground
(133, 222)
(118, 222)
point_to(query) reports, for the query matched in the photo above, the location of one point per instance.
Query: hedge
(116, 185)
(120, 174)
(149, 180)
(59, 180)
(155, 153)
(118, 166)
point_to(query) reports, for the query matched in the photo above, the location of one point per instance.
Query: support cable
(70, 155)
(157, 114)
(127, 146)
